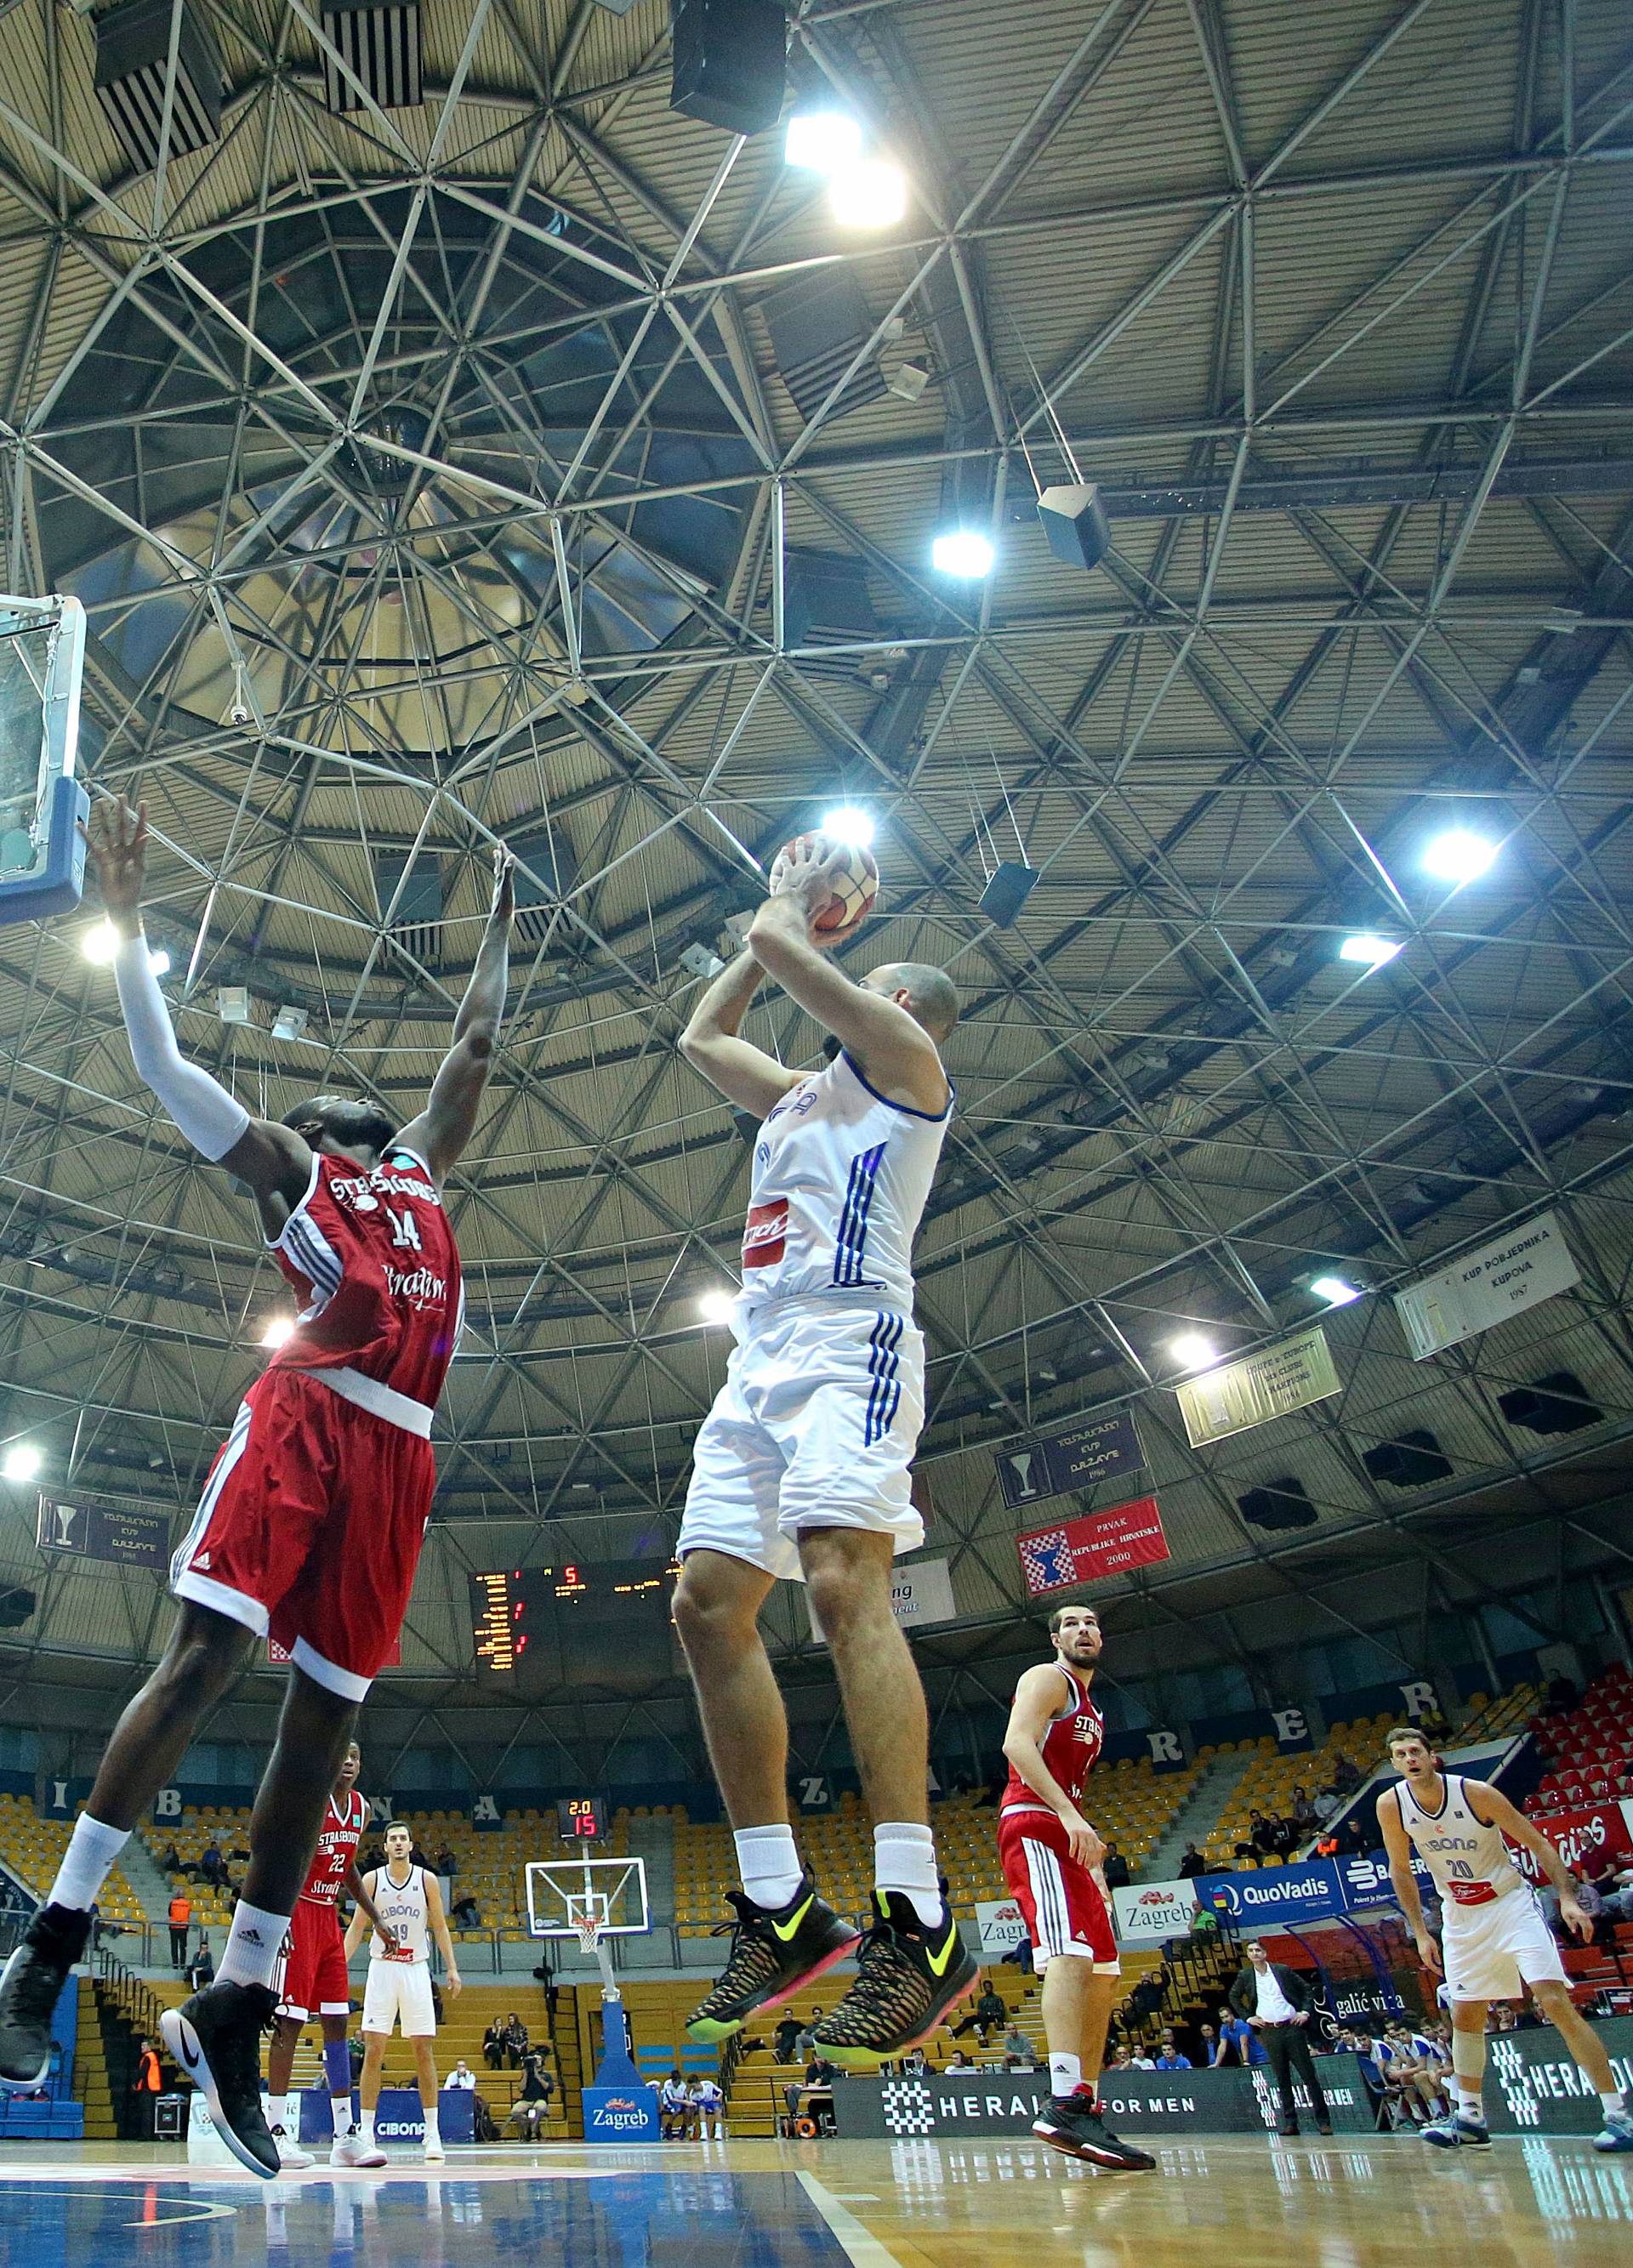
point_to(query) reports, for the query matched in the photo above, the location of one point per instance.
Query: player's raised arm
(1398, 1849)
(273, 1160)
(892, 1048)
(1491, 1806)
(444, 1128)
(437, 1922)
(745, 1074)
(1037, 1699)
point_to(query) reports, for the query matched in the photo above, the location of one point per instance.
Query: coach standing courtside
(1277, 2002)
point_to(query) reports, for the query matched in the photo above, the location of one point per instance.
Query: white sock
(434, 2133)
(266, 2107)
(768, 1863)
(366, 2124)
(1065, 2073)
(903, 1860)
(340, 2114)
(1470, 2101)
(1611, 2103)
(253, 1946)
(88, 1861)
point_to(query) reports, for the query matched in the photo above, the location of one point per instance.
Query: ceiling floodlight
(718, 1307)
(1192, 1351)
(22, 1462)
(101, 942)
(1333, 1289)
(871, 194)
(822, 141)
(1372, 951)
(1459, 855)
(963, 552)
(850, 825)
(278, 1331)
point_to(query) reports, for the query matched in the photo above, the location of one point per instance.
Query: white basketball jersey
(1468, 1860)
(403, 1908)
(840, 1181)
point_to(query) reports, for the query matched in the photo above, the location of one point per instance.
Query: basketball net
(591, 1941)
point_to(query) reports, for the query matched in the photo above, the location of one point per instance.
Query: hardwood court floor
(1240, 2202)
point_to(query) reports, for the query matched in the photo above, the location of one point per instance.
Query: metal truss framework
(451, 445)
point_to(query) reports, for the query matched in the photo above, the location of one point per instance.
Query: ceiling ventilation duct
(817, 325)
(1558, 1403)
(1410, 1461)
(415, 921)
(132, 66)
(379, 45)
(1278, 1504)
(551, 858)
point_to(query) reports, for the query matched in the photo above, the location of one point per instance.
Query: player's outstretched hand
(117, 837)
(504, 907)
(1429, 1954)
(1574, 1917)
(456, 1985)
(805, 869)
(1084, 1844)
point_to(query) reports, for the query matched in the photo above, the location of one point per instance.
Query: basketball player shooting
(801, 1468)
(1051, 1857)
(311, 1522)
(1495, 1945)
(314, 1986)
(409, 1902)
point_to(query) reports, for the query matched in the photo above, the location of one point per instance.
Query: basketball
(856, 884)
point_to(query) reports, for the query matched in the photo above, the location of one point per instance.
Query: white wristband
(212, 1119)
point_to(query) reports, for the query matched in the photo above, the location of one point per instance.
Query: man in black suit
(1277, 2003)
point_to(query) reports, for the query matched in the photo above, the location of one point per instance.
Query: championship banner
(1147, 1911)
(123, 1537)
(1499, 1279)
(1001, 1925)
(1238, 1395)
(1080, 1455)
(1084, 1550)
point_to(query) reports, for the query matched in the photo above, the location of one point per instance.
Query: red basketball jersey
(374, 1258)
(336, 1847)
(1070, 1748)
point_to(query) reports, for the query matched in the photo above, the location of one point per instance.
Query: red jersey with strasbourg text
(336, 1848)
(1070, 1747)
(374, 1257)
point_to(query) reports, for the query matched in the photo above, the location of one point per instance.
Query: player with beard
(311, 1523)
(1051, 1857)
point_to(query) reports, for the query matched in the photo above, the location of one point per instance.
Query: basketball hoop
(588, 1920)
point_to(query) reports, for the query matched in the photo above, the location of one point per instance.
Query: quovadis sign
(1137, 2102)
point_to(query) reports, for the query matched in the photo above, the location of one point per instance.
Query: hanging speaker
(1006, 891)
(1074, 519)
(729, 58)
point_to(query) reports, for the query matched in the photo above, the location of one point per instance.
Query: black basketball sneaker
(1075, 2124)
(33, 1978)
(216, 2039)
(774, 1954)
(911, 1975)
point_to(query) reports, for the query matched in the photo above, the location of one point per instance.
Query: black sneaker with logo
(774, 1954)
(29, 1986)
(216, 2039)
(911, 1975)
(1075, 2123)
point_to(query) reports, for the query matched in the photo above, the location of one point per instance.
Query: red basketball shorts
(310, 1527)
(1066, 1908)
(314, 1982)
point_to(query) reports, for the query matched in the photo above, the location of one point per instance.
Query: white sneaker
(352, 2150)
(290, 2154)
(434, 2153)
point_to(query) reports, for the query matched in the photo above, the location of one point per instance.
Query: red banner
(1099, 1544)
(1583, 1836)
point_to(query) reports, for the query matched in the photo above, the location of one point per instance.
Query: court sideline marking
(863, 2247)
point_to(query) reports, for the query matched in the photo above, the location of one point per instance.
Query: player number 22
(405, 1228)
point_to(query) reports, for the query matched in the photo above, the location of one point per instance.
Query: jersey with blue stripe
(841, 1177)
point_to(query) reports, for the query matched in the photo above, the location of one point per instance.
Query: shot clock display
(575, 1623)
(580, 1818)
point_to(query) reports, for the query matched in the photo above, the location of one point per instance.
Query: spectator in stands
(1147, 1995)
(201, 1971)
(1302, 1811)
(1194, 1863)
(1238, 2043)
(1614, 1885)
(1019, 1956)
(1168, 2057)
(1017, 2047)
(180, 1915)
(171, 1863)
(212, 1867)
(1355, 1837)
(467, 1912)
(1436, 1725)
(462, 2077)
(1210, 2052)
(1561, 1696)
(803, 2038)
(513, 2041)
(785, 2040)
(820, 2072)
(494, 2045)
(446, 1863)
(673, 2107)
(915, 2063)
(987, 2015)
(1283, 1837)
(1346, 1777)
(1115, 1869)
(145, 2087)
(960, 2059)
(1325, 1802)
(531, 2108)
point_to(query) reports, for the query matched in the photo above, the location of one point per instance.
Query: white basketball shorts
(1492, 1952)
(814, 1427)
(399, 1991)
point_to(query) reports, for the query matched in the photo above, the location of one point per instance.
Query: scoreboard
(580, 1818)
(570, 1622)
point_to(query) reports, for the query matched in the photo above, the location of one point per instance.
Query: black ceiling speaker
(730, 57)
(1008, 888)
(15, 1606)
(1411, 1460)
(1558, 1403)
(379, 42)
(1280, 1503)
(1074, 519)
(826, 601)
(132, 61)
(818, 325)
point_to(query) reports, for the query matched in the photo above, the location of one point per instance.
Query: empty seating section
(33, 1849)
(1589, 1750)
(227, 1826)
